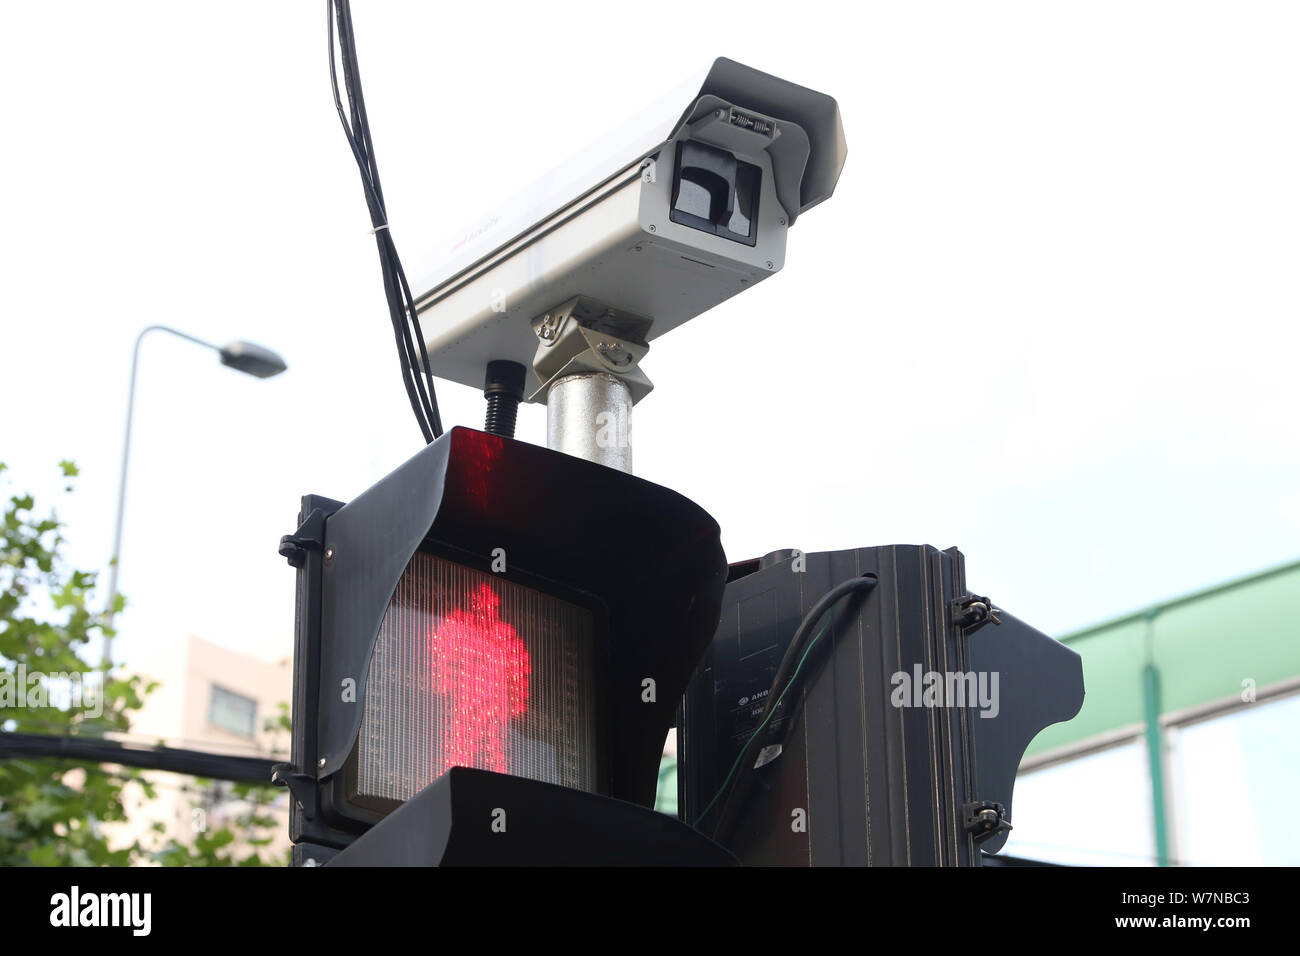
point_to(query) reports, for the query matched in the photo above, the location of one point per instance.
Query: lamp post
(240, 355)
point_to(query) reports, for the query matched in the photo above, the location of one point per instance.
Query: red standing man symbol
(481, 669)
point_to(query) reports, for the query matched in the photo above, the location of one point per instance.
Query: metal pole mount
(588, 362)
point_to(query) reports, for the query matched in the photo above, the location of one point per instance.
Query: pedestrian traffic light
(864, 708)
(505, 608)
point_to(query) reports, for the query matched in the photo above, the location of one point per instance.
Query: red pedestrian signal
(474, 617)
(470, 670)
(480, 671)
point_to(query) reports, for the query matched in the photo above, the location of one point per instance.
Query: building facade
(212, 699)
(1189, 737)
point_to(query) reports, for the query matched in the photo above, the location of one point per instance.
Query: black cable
(374, 195)
(417, 375)
(787, 673)
(824, 604)
(401, 303)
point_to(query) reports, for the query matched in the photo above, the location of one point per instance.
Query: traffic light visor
(497, 606)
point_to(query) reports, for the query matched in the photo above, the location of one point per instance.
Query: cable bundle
(416, 375)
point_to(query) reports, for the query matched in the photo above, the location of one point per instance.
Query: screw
(781, 220)
(652, 228)
(321, 763)
(329, 553)
(769, 263)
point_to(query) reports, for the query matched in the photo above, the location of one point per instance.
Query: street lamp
(240, 355)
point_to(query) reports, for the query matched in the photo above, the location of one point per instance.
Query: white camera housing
(620, 231)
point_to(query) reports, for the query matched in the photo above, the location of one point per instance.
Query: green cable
(722, 788)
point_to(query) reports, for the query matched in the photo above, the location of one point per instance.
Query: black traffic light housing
(450, 823)
(856, 766)
(646, 561)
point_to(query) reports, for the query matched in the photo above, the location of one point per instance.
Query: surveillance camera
(679, 212)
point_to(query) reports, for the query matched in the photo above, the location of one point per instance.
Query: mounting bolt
(653, 228)
(547, 328)
(769, 264)
(329, 553)
(321, 763)
(503, 387)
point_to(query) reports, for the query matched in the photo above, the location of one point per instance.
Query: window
(233, 713)
(1235, 778)
(1088, 811)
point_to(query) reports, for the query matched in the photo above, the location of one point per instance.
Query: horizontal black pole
(172, 759)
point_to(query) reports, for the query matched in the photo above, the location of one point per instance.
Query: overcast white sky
(1049, 316)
